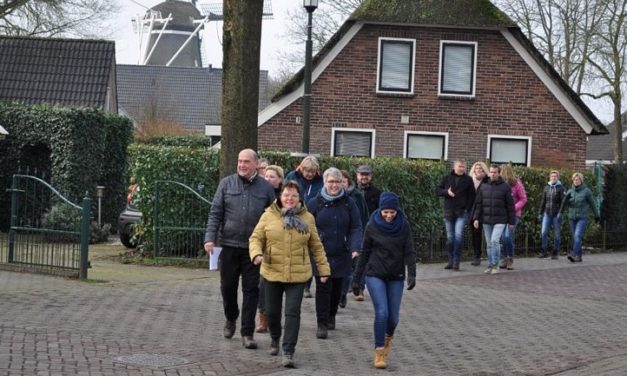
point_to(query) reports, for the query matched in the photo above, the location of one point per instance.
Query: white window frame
(382, 40)
(508, 137)
(444, 43)
(352, 130)
(435, 134)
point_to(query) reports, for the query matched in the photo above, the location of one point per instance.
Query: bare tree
(80, 18)
(240, 79)
(609, 61)
(586, 42)
(561, 30)
(327, 19)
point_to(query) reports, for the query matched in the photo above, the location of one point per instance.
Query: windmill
(170, 33)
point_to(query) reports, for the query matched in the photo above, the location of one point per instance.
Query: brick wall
(510, 100)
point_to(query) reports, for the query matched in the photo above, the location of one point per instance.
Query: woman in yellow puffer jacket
(282, 243)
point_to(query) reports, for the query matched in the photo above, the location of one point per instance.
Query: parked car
(128, 218)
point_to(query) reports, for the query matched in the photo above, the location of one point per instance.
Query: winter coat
(360, 201)
(385, 256)
(579, 200)
(339, 227)
(286, 252)
(236, 208)
(464, 189)
(520, 197)
(371, 195)
(494, 203)
(308, 188)
(552, 198)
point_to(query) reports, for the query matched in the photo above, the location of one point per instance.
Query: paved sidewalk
(544, 318)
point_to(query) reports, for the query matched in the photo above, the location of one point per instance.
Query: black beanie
(389, 200)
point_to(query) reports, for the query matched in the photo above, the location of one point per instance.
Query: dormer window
(458, 66)
(395, 70)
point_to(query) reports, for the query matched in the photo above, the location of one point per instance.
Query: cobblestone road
(544, 318)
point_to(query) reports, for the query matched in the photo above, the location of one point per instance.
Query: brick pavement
(544, 318)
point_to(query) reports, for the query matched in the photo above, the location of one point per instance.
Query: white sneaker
(488, 270)
(495, 271)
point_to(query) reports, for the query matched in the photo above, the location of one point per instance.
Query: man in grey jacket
(237, 206)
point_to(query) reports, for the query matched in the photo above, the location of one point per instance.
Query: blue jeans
(493, 239)
(509, 239)
(455, 237)
(547, 222)
(578, 229)
(386, 298)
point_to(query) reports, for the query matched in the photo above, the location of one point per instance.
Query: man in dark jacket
(237, 206)
(494, 209)
(549, 214)
(364, 184)
(458, 191)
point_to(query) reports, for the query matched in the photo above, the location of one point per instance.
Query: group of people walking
(277, 235)
(308, 226)
(493, 200)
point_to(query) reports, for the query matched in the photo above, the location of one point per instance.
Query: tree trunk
(618, 132)
(240, 79)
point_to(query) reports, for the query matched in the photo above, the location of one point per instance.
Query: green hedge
(414, 181)
(615, 202)
(76, 149)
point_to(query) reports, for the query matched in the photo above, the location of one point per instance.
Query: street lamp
(310, 6)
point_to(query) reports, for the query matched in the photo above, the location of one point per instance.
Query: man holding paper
(237, 205)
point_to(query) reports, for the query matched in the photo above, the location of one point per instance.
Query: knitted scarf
(389, 228)
(291, 220)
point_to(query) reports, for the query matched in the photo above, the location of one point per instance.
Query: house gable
(516, 95)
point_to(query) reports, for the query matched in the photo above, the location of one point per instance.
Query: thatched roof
(458, 13)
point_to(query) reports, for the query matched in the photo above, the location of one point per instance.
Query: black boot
(322, 331)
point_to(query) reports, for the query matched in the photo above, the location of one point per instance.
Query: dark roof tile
(191, 97)
(67, 72)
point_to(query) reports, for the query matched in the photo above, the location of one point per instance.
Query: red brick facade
(509, 100)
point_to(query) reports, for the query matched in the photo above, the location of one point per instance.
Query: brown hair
(508, 174)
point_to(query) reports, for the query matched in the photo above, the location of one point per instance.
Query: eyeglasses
(333, 182)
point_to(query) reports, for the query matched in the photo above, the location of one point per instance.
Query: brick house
(436, 80)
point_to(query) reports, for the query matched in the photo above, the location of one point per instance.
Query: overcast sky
(127, 44)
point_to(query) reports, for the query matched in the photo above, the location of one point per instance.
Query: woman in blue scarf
(388, 249)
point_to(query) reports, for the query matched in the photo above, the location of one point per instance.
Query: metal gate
(48, 234)
(180, 216)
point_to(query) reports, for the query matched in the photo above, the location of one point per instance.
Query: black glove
(355, 286)
(411, 283)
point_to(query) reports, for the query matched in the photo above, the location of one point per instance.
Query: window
(352, 142)
(457, 68)
(426, 145)
(395, 71)
(509, 149)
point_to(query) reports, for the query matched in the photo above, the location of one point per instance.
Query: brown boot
(379, 358)
(387, 346)
(262, 327)
(510, 263)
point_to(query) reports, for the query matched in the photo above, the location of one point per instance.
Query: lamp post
(99, 195)
(310, 6)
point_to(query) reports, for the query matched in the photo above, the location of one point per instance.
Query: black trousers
(327, 298)
(235, 262)
(274, 300)
(477, 236)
